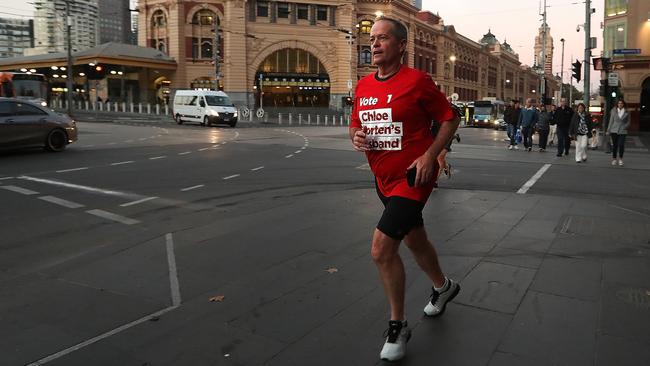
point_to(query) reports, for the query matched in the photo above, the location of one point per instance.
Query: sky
(518, 22)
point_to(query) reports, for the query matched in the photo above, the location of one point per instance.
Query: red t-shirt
(396, 115)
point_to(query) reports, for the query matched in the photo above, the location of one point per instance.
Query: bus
(32, 87)
(488, 113)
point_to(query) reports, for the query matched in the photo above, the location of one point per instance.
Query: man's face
(529, 103)
(386, 48)
(563, 102)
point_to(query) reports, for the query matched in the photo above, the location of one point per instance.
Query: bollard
(266, 117)
(326, 119)
(157, 108)
(300, 118)
(309, 119)
(166, 110)
(123, 106)
(348, 119)
(279, 118)
(317, 119)
(140, 107)
(148, 108)
(101, 106)
(87, 105)
(132, 107)
(290, 118)
(93, 105)
(250, 116)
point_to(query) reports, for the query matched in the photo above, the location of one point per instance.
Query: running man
(391, 121)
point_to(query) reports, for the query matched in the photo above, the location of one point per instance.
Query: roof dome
(489, 39)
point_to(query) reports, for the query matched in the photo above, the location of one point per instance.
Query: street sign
(612, 79)
(245, 112)
(601, 63)
(259, 113)
(454, 97)
(627, 51)
(349, 84)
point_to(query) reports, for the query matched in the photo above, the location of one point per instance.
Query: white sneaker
(510, 147)
(516, 147)
(438, 300)
(620, 162)
(396, 335)
(614, 162)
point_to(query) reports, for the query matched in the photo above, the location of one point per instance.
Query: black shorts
(400, 216)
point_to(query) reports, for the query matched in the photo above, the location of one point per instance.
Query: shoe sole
(444, 307)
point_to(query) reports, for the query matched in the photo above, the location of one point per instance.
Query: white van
(204, 106)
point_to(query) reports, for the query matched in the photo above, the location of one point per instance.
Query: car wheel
(233, 124)
(56, 140)
(206, 121)
(178, 119)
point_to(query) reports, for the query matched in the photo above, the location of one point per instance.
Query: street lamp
(452, 58)
(562, 71)
(379, 13)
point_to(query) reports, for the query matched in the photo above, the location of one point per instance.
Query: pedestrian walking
(562, 119)
(553, 127)
(619, 121)
(527, 120)
(391, 122)
(543, 126)
(580, 130)
(511, 116)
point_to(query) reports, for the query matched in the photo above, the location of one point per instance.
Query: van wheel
(56, 140)
(206, 121)
(178, 119)
(232, 124)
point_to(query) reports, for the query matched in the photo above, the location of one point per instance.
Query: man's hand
(359, 141)
(425, 168)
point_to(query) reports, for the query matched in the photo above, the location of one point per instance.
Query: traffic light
(347, 101)
(97, 72)
(577, 70)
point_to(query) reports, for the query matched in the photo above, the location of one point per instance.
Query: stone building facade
(300, 54)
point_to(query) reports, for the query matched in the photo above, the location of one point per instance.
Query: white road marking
(173, 275)
(225, 142)
(113, 217)
(297, 151)
(534, 179)
(215, 146)
(5, 178)
(258, 168)
(365, 166)
(157, 157)
(142, 138)
(192, 187)
(128, 141)
(176, 302)
(133, 203)
(123, 162)
(231, 176)
(82, 188)
(288, 156)
(60, 202)
(203, 149)
(112, 143)
(303, 148)
(185, 153)
(72, 170)
(20, 190)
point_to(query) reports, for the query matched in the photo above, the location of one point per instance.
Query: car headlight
(44, 103)
(496, 122)
(235, 114)
(485, 120)
(214, 113)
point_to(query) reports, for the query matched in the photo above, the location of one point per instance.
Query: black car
(26, 124)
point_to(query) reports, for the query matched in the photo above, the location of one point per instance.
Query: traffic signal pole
(70, 82)
(587, 61)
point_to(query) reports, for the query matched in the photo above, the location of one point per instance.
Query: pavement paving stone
(483, 232)
(625, 312)
(503, 216)
(99, 355)
(556, 329)
(537, 229)
(621, 351)
(527, 243)
(631, 271)
(515, 257)
(509, 359)
(25, 343)
(446, 340)
(595, 247)
(570, 277)
(497, 287)
(476, 247)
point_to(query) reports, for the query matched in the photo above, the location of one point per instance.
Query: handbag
(518, 137)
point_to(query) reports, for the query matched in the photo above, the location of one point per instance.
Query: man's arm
(425, 164)
(358, 138)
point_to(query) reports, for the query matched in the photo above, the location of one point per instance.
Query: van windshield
(218, 101)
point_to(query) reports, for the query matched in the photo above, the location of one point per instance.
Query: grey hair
(399, 30)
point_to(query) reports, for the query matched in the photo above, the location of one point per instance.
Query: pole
(585, 75)
(571, 88)
(261, 90)
(562, 72)
(215, 53)
(70, 83)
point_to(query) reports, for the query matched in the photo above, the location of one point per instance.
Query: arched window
(203, 40)
(365, 26)
(158, 19)
(162, 47)
(365, 58)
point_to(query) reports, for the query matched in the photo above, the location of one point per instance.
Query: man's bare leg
(425, 255)
(385, 253)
